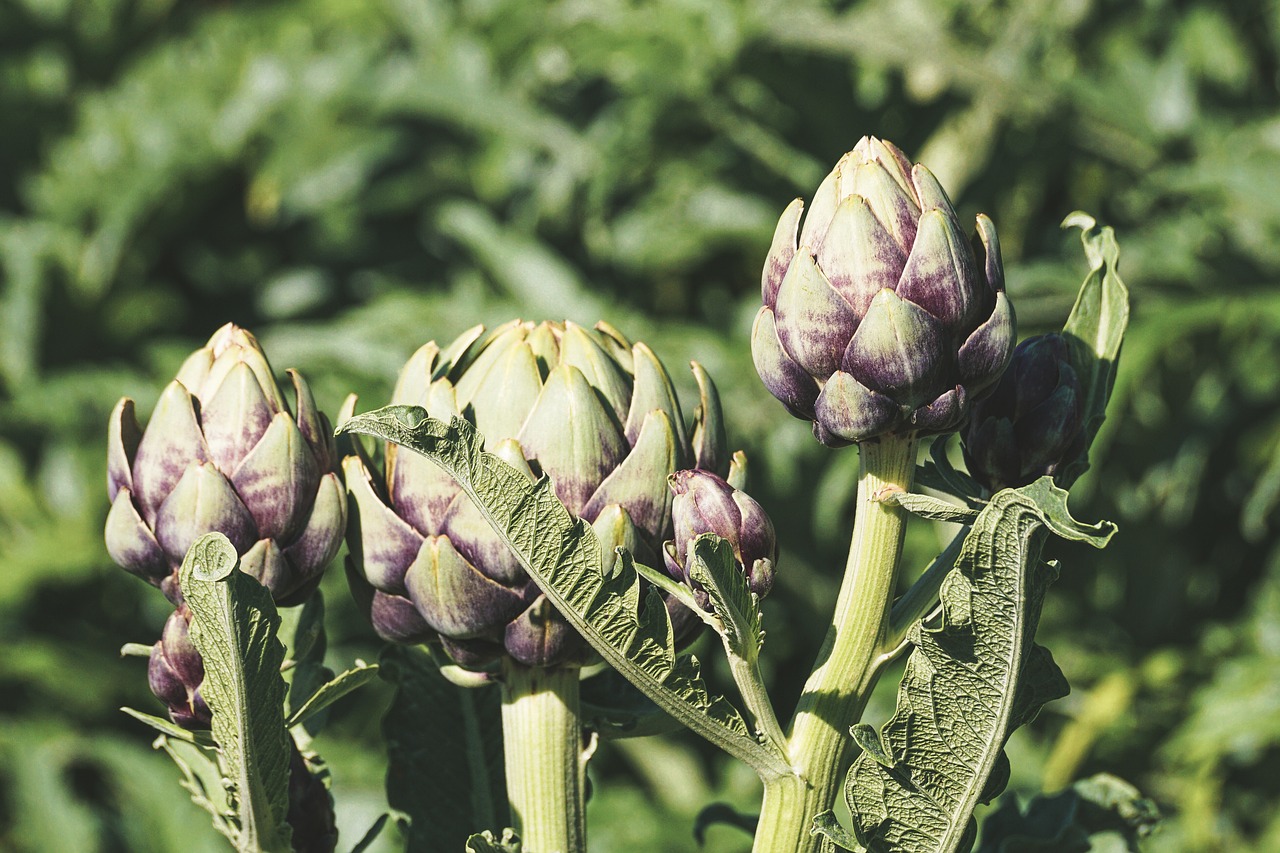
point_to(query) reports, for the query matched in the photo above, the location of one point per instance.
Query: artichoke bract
(223, 453)
(586, 407)
(175, 672)
(706, 503)
(878, 318)
(1032, 424)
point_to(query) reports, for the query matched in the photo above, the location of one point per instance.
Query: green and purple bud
(586, 407)
(222, 453)
(878, 317)
(706, 503)
(176, 671)
(1032, 424)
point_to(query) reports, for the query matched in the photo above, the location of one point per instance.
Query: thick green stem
(542, 742)
(850, 658)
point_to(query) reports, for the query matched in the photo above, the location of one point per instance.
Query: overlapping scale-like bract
(586, 407)
(878, 318)
(223, 453)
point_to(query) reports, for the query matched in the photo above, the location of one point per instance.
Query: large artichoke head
(878, 317)
(586, 407)
(223, 453)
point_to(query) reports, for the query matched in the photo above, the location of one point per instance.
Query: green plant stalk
(851, 655)
(542, 747)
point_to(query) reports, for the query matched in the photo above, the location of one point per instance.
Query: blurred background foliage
(351, 178)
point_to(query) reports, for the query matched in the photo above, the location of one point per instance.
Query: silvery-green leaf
(1095, 331)
(825, 824)
(969, 682)
(171, 729)
(711, 565)
(333, 690)
(563, 557)
(931, 508)
(234, 625)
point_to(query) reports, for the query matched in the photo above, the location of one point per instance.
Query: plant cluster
(543, 514)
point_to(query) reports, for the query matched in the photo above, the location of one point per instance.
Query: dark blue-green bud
(1031, 424)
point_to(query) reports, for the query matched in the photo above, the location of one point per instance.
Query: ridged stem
(847, 665)
(542, 746)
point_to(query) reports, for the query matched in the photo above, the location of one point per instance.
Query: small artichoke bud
(595, 413)
(705, 503)
(878, 318)
(176, 671)
(223, 453)
(1031, 425)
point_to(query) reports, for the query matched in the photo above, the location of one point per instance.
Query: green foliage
(1100, 814)
(1094, 331)
(969, 683)
(444, 754)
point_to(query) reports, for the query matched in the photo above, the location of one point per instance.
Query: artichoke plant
(223, 453)
(705, 503)
(878, 318)
(1032, 424)
(586, 407)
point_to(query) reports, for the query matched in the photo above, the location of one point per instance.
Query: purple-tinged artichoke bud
(176, 671)
(223, 453)
(1031, 425)
(586, 407)
(877, 318)
(705, 503)
(310, 814)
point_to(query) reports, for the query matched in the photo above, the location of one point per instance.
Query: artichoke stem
(851, 656)
(545, 763)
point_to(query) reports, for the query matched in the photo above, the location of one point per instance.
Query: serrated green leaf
(485, 842)
(234, 625)
(826, 825)
(444, 753)
(968, 683)
(170, 729)
(333, 690)
(712, 566)
(1094, 331)
(931, 508)
(562, 555)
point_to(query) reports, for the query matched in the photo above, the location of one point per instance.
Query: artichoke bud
(587, 408)
(223, 453)
(1032, 424)
(878, 317)
(175, 672)
(705, 503)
